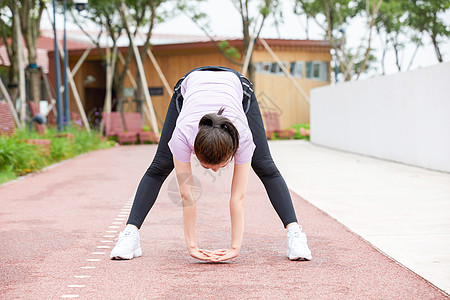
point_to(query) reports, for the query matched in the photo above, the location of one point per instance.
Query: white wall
(403, 117)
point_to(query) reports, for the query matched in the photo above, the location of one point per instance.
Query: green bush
(297, 134)
(19, 158)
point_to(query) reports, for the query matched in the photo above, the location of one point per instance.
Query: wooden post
(10, 103)
(81, 60)
(160, 73)
(123, 9)
(294, 82)
(75, 92)
(248, 54)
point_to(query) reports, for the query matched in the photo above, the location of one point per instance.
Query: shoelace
(122, 236)
(297, 234)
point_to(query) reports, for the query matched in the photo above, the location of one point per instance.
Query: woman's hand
(221, 254)
(199, 253)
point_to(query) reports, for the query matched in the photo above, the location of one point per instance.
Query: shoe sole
(294, 258)
(135, 253)
(300, 258)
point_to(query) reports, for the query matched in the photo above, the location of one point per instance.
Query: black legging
(262, 164)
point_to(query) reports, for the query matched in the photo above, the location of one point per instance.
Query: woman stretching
(213, 114)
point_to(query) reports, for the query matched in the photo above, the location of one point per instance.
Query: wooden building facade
(308, 62)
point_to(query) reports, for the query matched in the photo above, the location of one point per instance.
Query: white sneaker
(128, 245)
(298, 245)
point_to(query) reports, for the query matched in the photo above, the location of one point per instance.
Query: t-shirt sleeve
(179, 146)
(245, 151)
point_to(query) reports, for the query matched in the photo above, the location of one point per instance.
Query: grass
(297, 135)
(18, 158)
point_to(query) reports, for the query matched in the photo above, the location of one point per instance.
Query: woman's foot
(297, 244)
(128, 245)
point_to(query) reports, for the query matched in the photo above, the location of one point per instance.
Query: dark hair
(217, 139)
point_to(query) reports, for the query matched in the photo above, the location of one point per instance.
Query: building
(308, 61)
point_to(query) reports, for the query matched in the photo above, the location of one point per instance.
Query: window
(263, 67)
(297, 68)
(269, 67)
(317, 70)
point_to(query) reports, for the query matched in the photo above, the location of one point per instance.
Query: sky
(225, 20)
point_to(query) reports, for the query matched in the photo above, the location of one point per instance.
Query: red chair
(6, 120)
(272, 122)
(114, 127)
(133, 123)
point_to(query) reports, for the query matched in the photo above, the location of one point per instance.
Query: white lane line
(76, 285)
(113, 227)
(81, 276)
(98, 253)
(70, 296)
(109, 236)
(119, 219)
(88, 267)
(111, 231)
(122, 216)
(107, 241)
(118, 223)
(103, 247)
(93, 259)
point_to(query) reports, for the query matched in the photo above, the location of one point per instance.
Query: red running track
(52, 222)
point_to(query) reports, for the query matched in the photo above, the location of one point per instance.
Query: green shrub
(19, 158)
(297, 134)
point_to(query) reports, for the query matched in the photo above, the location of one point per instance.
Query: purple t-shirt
(206, 92)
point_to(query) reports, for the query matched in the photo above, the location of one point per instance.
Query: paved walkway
(402, 210)
(57, 228)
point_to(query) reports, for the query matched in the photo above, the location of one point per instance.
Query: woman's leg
(264, 167)
(158, 171)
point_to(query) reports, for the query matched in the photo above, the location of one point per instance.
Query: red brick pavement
(52, 222)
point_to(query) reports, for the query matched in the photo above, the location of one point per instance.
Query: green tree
(145, 15)
(333, 16)
(105, 13)
(9, 34)
(253, 17)
(391, 29)
(426, 17)
(30, 12)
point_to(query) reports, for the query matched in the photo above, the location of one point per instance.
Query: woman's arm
(187, 192)
(238, 190)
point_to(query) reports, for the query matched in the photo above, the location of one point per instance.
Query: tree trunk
(119, 80)
(30, 30)
(247, 37)
(13, 85)
(436, 48)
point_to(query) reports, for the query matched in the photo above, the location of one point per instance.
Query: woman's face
(216, 168)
